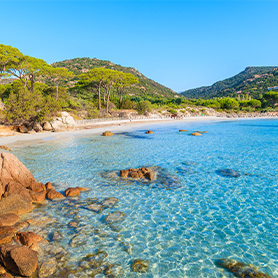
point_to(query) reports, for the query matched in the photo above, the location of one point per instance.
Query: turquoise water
(183, 221)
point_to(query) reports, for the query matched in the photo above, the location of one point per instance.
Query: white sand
(99, 128)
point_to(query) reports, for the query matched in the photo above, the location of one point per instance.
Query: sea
(214, 197)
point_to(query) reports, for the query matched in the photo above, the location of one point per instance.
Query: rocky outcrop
(52, 194)
(17, 203)
(29, 239)
(72, 192)
(107, 133)
(19, 260)
(8, 219)
(139, 173)
(63, 122)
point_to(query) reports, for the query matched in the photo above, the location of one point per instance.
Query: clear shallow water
(186, 219)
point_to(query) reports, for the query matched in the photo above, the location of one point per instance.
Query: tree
(57, 75)
(9, 56)
(271, 98)
(143, 106)
(228, 103)
(124, 80)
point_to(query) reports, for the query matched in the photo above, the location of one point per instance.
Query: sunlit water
(186, 219)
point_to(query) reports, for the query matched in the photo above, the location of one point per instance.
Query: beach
(101, 126)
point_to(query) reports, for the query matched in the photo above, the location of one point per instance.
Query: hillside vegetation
(254, 81)
(145, 86)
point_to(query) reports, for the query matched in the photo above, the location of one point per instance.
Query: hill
(253, 81)
(145, 86)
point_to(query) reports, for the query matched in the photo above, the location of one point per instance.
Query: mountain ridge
(252, 80)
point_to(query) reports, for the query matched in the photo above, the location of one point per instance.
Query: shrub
(143, 107)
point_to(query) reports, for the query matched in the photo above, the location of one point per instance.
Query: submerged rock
(116, 216)
(240, 269)
(114, 270)
(109, 202)
(95, 207)
(228, 173)
(5, 148)
(140, 265)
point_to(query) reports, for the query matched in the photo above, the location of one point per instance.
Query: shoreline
(113, 126)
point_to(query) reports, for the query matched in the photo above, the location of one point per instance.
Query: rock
(37, 127)
(18, 204)
(95, 207)
(37, 186)
(21, 225)
(138, 173)
(149, 132)
(149, 175)
(139, 265)
(29, 239)
(196, 134)
(124, 173)
(52, 194)
(67, 119)
(230, 173)
(82, 188)
(109, 202)
(15, 188)
(20, 260)
(47, 268)
(12, 169)
(6, 275)
(48, 186)
(114, 270)
(8, 219)
(47, 126)
(5, 148)
(116, 216)
(23, 129)
(32, 131)
(72, 192)
(107, 133)
(183, 130)
(6, 234)
(38, 196)
(240, 269)
(56, 236)
(73, 224)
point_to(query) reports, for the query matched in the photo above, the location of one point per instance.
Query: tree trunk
(108, 96)
(57, 92)
(99, 97)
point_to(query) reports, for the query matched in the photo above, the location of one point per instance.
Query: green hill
(253, 81)
(145, 86)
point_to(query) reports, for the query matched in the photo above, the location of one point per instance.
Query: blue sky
(180, 44)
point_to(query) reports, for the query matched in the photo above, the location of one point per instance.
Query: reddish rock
(124, 173)
(15, 188)
(5, 148)
(6, 275)
(133, 174)
(72, 192)
(196, 134)
(29, 239)
(149, 132)
(37, 196)
(149, 175)
(6, 234)
(12, 169)
(21, 260)
(37, 186)
(52, 194)
(23, 129)
(107, 133)
(48, 186)
(8, 219)
(16, 203)
(183, 130)
(82, 188)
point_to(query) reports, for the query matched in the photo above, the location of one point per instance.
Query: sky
(180, 44)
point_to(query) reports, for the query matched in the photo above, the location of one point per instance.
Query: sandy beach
(99, 128)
